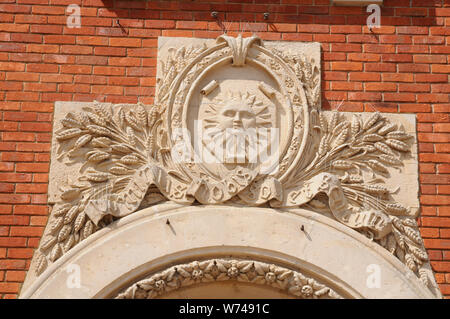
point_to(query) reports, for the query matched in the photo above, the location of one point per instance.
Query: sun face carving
(235, 126)
(237, 111)
(236, 116)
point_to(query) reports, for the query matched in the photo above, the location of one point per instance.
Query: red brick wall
(401, 67)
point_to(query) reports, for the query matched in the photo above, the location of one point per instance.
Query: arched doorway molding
(165, 235)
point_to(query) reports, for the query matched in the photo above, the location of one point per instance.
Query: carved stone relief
(126, 157)
(246, 271)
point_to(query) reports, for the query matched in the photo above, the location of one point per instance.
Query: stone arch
(157, 238)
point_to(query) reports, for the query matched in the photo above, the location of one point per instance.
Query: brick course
(404, 66)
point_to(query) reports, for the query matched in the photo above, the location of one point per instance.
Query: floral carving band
(220, 270)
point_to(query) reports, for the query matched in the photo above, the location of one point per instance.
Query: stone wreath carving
(217, 270)
(323, 163)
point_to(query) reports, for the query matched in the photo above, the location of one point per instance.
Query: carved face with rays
(237, 116)
(232, 126)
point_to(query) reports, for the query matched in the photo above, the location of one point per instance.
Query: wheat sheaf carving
(349, 147)
(114, 146)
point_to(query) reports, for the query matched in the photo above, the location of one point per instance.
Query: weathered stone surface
(236, 122)
(142, 244)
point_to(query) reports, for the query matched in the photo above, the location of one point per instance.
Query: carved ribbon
(329, 184)
(262, 190)
(129, 199)
(220, 191)
(259, 192)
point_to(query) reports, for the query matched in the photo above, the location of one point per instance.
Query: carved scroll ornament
(128, 155)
